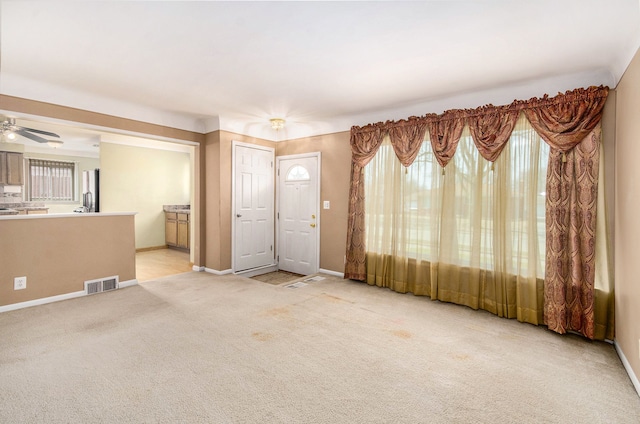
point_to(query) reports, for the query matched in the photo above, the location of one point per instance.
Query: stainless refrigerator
(91, 190)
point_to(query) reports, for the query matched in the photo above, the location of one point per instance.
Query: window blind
(51, 180)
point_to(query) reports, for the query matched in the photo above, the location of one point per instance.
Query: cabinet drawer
(170, 215)
(183, 217)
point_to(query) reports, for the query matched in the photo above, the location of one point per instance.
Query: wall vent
(101, 285)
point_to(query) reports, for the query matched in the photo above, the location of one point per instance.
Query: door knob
(238, 215)
(313, 225)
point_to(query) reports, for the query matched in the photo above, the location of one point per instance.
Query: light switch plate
(326, 204)
(20, 283)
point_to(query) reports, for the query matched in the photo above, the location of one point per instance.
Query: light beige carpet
(199, 348)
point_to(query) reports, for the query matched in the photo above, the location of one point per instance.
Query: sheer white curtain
(473, 234)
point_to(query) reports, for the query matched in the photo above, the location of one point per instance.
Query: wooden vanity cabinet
(11, 168)
(177, 229)
(183, 230)
(171, 228)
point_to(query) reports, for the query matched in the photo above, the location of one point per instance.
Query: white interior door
(253, 212)
(298, 214)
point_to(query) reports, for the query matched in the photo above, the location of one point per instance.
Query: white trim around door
(291, 253)
(252, 210)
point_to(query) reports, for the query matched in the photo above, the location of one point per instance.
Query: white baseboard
(216, 272)
(42, 301)
(198, 268)
(128, 283)
(334, 273)
(627, 367)
(58, 298)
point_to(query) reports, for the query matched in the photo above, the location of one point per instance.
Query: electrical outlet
(20, 283)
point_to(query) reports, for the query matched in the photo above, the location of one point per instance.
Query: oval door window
(298, 173)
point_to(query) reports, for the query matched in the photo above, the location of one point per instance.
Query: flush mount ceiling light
(55, 143)
(277, 123)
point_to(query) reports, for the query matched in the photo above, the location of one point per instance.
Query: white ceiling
(322, 66)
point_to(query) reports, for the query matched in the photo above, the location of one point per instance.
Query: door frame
(267, 268)
(318, 156)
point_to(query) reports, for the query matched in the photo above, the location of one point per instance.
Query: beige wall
(609, 150)
(58, 254)
(198, 216)
(142, 180)
(336, 169)
(218, 160)
(11, 147)
(211, 202)
(627, 224)
(336, 165)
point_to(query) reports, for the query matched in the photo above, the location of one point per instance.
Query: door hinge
(272, 248)
(278, 215)
(278, 172)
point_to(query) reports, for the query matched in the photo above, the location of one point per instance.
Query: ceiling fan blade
(28, 135)
(50, 134)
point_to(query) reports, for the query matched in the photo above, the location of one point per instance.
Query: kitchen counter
(177, 208)
(65, 215)
(22, 208)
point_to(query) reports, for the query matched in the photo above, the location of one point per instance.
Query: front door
(253, 212)
(298, 213)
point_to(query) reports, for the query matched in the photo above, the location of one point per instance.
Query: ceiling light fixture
(55, 143)
(7, 137)
(277, 123)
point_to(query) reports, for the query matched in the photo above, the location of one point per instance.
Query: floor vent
(101, 285)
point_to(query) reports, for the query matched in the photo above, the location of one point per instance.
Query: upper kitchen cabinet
(11, 168)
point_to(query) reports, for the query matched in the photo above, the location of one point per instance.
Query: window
(51, 180)
(473, 214)
(298, 173)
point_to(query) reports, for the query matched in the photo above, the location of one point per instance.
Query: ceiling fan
(9, 127)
